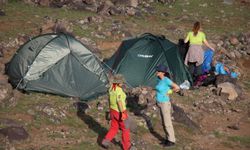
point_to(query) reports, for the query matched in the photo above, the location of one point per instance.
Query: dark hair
(196, 27)
(166, 74)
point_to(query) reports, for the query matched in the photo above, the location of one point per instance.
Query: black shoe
(169, 144)
(165, 142)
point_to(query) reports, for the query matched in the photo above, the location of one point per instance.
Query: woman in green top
(195, 54)
(118, 114)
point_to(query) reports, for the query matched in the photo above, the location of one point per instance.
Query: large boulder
(44, 2)
(229, 89)
(14, 133)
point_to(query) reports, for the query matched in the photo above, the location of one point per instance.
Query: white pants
(165, 109)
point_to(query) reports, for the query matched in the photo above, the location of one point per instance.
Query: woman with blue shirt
(163, 89)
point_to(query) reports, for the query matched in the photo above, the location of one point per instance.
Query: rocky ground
(203, 118)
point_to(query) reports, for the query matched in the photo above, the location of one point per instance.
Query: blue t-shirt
(162, 87)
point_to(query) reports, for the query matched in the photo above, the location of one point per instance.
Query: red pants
(117, 123)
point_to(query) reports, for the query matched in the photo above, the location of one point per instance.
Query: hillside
(203, 119)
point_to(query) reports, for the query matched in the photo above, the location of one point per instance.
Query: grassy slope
(216, 18)
(22, 18)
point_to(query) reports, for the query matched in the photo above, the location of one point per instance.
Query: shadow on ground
(92, 123)
(139, 110)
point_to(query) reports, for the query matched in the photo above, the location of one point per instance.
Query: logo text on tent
(144, 56)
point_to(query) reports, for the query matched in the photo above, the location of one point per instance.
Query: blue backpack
(208, 58)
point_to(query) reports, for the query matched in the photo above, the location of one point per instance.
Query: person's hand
(176, 89)
(124, 116)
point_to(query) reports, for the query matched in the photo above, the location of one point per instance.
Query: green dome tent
(57, 64)
(137, 58)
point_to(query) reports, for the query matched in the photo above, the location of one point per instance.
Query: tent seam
(82, 63)
(35, 56)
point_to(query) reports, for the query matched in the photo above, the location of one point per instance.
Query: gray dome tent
(137, 58)
(57, 64)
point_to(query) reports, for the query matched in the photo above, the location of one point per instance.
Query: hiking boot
(167, 143)
(106, 143)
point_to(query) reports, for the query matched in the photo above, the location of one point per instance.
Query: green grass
(240, 139)
(228, 144)
(84, 145)
(55, 135)
(235, 21)
(27, 18)
(2, 126)
(218, 134)
(247, 84)
(73, 121)
(29, 101)
(23, 18)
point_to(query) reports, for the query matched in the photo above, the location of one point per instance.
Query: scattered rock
(6, 96)
(234, 127)
(220, 43)
(228, 2)
(131, 11)
(81, 107)
(103, 7)
(237, 54)
(134, 3)
(2, 13)
(99, 106)
(44, 2)
(231, 55)
(248, 52)
(234, 41)
(52, 113)
(245, 1)
(63, 26)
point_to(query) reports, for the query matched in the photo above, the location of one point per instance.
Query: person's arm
(187, 39)
(208, 45)
(121, 108)
(175, 87)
